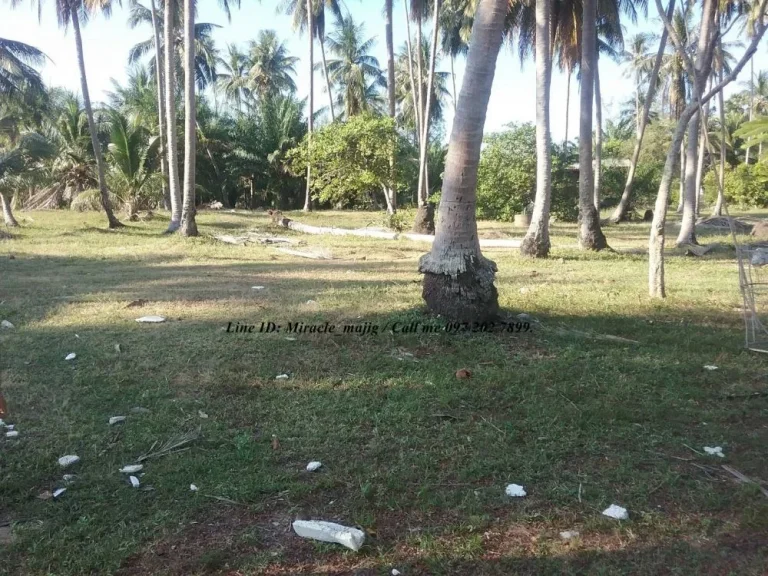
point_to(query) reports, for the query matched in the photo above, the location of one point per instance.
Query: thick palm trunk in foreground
(113, 222)
(536, 241)
(458, 280)
(8, 218)
(160, 106)
(590, 235)
(188, 222)
(169, 61)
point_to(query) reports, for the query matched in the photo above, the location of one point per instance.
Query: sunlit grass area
(412, 455)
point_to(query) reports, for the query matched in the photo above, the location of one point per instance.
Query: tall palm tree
(188, 222)
(232, 77)
(17, 73)
(169, 61)
(353, 71)
(639, 60)
(456, 27)
(20, 157)
(404, 92)
(390, 57)
(271, 68)
(458, 280)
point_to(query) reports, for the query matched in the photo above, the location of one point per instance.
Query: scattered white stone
(134, 481)
(2, 424)
(12, 434)
(193, 488)
(282, 377)
(202, 414)
(617, 512)
(314, 465)
(6, 324)
(68, 478)
(710, 367)
(515, 490)
(59, 492)
(68, 460)
(116, 420)
(311, 302)
(70, 356)
(151, 319)
(132, 468)
(77, 336)
(11, 426)
(257, 287)
(714, 451)
(396, 572)
(569, 534)
(290, 339)
(323, 531)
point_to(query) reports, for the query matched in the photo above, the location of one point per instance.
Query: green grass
(414, 456)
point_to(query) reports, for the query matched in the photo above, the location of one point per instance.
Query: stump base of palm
(425, 220)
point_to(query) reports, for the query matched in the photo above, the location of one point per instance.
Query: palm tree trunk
(453, 79)
(188, 222)
(567, 105)
(598, 136)
(721, 177)
(310, 120)
(637, 104)
(8, 218)
(390, 56)
(458, 280)
(620, 213)
(424, 192)
(751, 100)
(416, 110)
(160, 106)
(169, 62)
(681, 193)
(701, 156)
(687, 233)
(590, 235)
(327, 79)
(105, 203)
(536, 242)
(423, 120)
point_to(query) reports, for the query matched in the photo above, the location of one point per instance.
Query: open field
(413, 455)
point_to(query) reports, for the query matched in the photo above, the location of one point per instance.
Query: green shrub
(91, 200)
(400, 220)
(745, 185)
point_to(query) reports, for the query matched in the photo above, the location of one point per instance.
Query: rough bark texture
(458, 280)
(424, 222)
(160, 106)
(590, 235)
(327, 80)
(536, 242)
(718, 211)
(8, 218)
(687, 233)
(170, 115)
(188, 222)
(620, 214)
(598, 135)
(310, 120)
(700, 157)
(113, 222)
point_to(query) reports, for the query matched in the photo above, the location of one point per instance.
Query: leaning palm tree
(270, 67)
(73, 12)
(458, 280)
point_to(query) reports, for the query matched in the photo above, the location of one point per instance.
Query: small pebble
(314, 465)
(12, 434)
(6, 324)
(515, 490)
(134, 481)
(616, 512)
(116, 420)
(68, 460)
(193, 488)
(70, 356)
(132, 468)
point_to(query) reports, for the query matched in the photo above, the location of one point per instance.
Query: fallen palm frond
(170, 446)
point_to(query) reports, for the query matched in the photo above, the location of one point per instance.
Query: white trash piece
(314, 465)
(569, 534)
(714, 451)
(70, 356)
(2, 424)
(6, 324)
(134, 481)
(395, 572)
(11, 426)
(116, 420)
(12, 434)
(710, 367)
(515, 490)
(151, 319)
(68, 478)
(59, 492)
(257, 287)
(193, 488)
(352, 538)
(617, 512)
(68, 460)
(282, 377)
(132, 468)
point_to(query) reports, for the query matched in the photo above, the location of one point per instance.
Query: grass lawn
(414, 456)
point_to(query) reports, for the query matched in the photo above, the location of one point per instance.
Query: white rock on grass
(12, 434)
(193, 488)
(70, 356)
(314, 465)
(59, 492)
(395, 572)
(134, 481)
(710, 367)
(68, 478)
(569, 534)
(11, 426)
(714, 451)
(68, 460)
(515, 490)
(257, 287)
(617, 512)
(282, 377)
(151, 319)
(6, 324)
(323, 531)
(132, 468)
(116, 420)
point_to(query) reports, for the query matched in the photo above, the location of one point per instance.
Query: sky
(107, 42)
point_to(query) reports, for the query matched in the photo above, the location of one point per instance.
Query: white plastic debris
(710, 367)
(395, 572)
(134, 481)
(132, 468)
(515, 490)
(151, 319)
(282, 377)
(116, 420)
(314, 465)
(569, 534)
(202, 414)
(617, 512)
(290, 339)
(323, 531)
(59, 492)
(68, 460)
(193, 488)
(2, 424)
(12, 434)
(68, 478)
(11, 426)
(714, 451)
(70, 356)
(6, 324)
(257, 287)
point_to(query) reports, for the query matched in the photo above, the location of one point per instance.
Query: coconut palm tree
(270, 68)
(639, 60)
(389, 40)
(17, 73)
(404, 92)
(188, 222)
(17, 160)
(456, 24)
(232, 77)
(458, 280)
